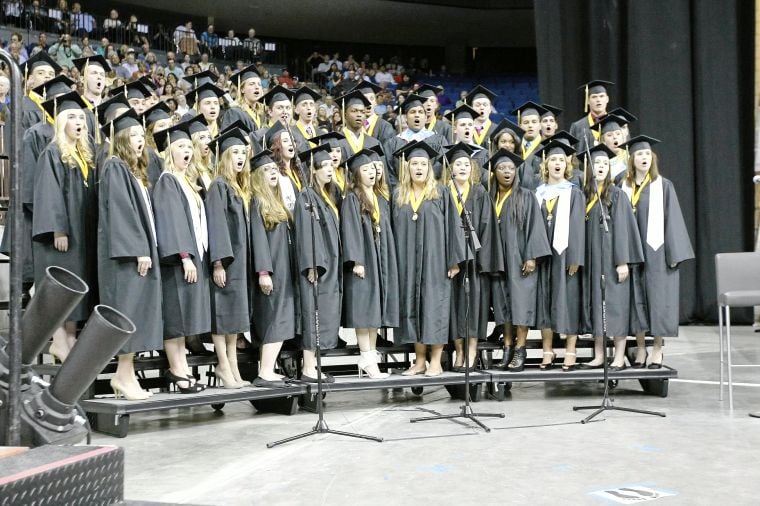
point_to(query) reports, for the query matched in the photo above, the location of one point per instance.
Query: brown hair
(630, 175)
(138, 165)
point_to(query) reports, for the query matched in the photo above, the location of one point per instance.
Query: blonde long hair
(404, 189)
(199, 164)
(82, 145)
(475, 173)
(268, 200)
(240, 181)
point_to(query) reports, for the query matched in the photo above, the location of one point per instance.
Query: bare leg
(641, 348)
(269, 353)
(232, 359)
(571, 339)
(619, 360)
(420, 355)
(508, 334)
(472, 351)
(435, 367)
(598, 352)
(367, 338)
(59, 348)
(124, 381)
(175, 354)
(459, 349)
(547, 337)
(522, 336)
(657, 350)
(223, 372)
(71, 333)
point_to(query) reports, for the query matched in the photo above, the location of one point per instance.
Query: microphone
(756, 179)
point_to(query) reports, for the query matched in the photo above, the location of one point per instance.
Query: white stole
(198, 214)
(561, 212)
(149, 207)
(655, 214)
(288, 193)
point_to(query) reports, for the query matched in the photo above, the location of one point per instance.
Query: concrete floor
(701, 453)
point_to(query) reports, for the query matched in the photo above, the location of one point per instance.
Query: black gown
(31, 113)
(395, 143)
(155, 166)
(426, 248)
(275, 317)
(228, 243)
(126, 231)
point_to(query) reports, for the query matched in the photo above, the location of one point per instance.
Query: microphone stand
(606, 404)
(473, 244)
(321, 426)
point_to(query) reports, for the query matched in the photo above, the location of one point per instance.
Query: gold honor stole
(355, 146)
(481, 136)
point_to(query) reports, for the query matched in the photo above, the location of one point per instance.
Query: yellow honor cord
(637, 192)
(535, 143)
(592, 202)
(372, 123)
(499, 204)
(375, 209)
(355, 146)
(330, 203)
(480, 137)
(432, 123)
(596, 133)
(455, 196)
(79, 158)
(293, 177)
(414, 202)
(340, 180)
(550, 204)
(305, 134)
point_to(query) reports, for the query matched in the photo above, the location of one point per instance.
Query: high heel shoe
(657, 365)
(368, 365)
(641, 365)
(509, 353)
(550, 365)
(193, 388)
(569, 367)
(128, 393)
(228, 382)
(517, 363)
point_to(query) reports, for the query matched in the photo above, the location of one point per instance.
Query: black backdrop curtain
(685, 68)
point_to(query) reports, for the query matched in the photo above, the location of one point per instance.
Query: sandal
(569, 367)
(550, 365)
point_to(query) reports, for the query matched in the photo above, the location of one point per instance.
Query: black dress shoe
(457, 368)
(587, 367)
(509, 353)
(617, 368)
(517, 363)
(655, 365)
(328, 378)
(262, 383)
(641, 365)
(341, 344)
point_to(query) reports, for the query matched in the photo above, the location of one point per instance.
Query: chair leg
(728, 352)
(722, 351)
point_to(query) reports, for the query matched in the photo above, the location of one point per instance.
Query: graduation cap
(156, 113)
(274, 133)
(463, 111)
(108, 108)
(38, 60)
(593, 88)
(165, 138)
(507, 126)
(502, 155)
(353, 97)
(135, 89)
(529, 109)
(378, 151)
(360, 158)
(562, 136)
(148, 82)
(206, 90)
(599, 150)
(201, 78)
(640, 142)
(480, 91)
(331, 138)
(316, 156)
(412, 100)
(610, 123)
(366, 87)
(66, 102)
(305, 93)
(245, 74)
(629, 117)
(555, 146)
(277, 94)
(428, 90)
(458, 150)
(551, 110)
(261, 158)
(230, 138)
(56, 86)
(416, 149)
(197, 124)
(236, 124)
(122, 122)
(99, 60)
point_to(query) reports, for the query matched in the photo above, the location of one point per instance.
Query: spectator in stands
(337, 121)
(12, 11)
(64, 51)
(133, 36)
(285, 79)
(170, 89)
(185, 63)
(34, 16)
(129, 64)
(384, 78)
(231, 46)
(82, 24)
(204, 64)
(462, 97)
(182, 107)
(323, 119)
(102, 49)
(121, 71)
(253, 46)
(210, 40)
(172, 68)
(334, 80)
(161, 38)
(336, 60)
(15, 49)
(60, 17)
(5, 88)
(187, 42)
(313, 62)
(40, 45)
(112, 26)
(18, 39)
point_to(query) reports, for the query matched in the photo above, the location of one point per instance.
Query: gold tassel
(110, 144)
(240, 92)
(216, 164)
(98, 140)
(518, 116)
(585, 168)
(585, 105)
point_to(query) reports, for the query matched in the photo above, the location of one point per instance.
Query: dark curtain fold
(685, 68)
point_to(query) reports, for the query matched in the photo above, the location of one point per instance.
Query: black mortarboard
(331, 138)
(561, 136)
(157, 113)
(108, 108)
(366, 87)
(554, 146)
(65, 102)
(306, 93)
(316, 156)
(412, 101)
(230, 138)
(507, 126)
(550, 109)
(609, 123)
(463, 111)
(277, 94)
(56, 86)
(378, 151)
(640, 142)
(529, 109)
(197, 124)
(261, 158)
(361, 157)
(236, 124)
(274, 132)
(164, 138)
(353, 97)
(458, 150)
(502, 155)
(201, 78)
(206, 90)
(39, 59)
(596, 86)
(629, 117)
(599, 150)
(135, 89)
(417, 149)
(480, 91)
(97, 59)
(245, 74)
(123, 121)
(148, 82)
(428, 90)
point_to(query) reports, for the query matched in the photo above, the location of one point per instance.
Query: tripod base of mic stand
(322, 428)
(465, 412)
(607, 406)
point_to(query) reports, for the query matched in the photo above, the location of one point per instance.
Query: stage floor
(701, 453)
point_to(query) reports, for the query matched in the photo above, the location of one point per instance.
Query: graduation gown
(396, 142)
(61, 199)
(126, 231)
(380, 129)
(442, 128)
(366, 301)
(187, 306)
(655, 283)
(558, 305)
(31, 113)
(155, 166)
(514, 295)
(604, 252)
(348, 149)
(302, 143)
(237, 113)
(581, 130)
(326, 257)
(530, 173)
(275, 317)
(228, 243)
(426, 248)
(484, 264)
(485, 134)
